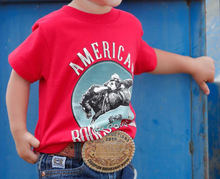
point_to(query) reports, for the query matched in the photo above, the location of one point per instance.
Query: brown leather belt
(68, 151)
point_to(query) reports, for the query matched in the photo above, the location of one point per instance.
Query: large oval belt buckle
(109, 154)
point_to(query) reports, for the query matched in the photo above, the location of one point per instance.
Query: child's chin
(114, 3)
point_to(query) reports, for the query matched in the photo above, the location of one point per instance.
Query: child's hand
(203, 71)
(24, 141)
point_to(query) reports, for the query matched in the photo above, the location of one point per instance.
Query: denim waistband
(69, 162)
(59, 167)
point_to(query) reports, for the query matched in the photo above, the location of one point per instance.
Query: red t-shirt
(85, 64)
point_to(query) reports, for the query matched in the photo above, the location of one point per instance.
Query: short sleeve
(146, 60)
(31, 59)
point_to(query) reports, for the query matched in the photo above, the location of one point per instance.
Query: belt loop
(77, 151)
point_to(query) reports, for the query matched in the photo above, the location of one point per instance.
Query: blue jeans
(58, 167)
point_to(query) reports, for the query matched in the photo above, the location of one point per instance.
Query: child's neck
(90, 7)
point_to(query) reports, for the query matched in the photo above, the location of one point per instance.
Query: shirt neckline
(106, 18)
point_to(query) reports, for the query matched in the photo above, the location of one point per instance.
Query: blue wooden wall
(172, 140)
(213, 46)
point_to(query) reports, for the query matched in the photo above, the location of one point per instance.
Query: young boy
(85, 57)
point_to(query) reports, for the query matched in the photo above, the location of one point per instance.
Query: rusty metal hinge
(191, 147)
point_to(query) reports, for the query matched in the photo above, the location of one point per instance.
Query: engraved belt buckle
(109, 154)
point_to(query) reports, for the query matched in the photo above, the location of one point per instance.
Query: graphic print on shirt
(102, 96)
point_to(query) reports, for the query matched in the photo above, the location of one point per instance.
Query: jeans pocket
(63, 173)
(72, 169)
(129, 172)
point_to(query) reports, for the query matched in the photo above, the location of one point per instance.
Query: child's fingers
(204, 87)
(37, 153)
(24, 142)
(34, 142)
(31, 157)
(28, 155)
(212, 78)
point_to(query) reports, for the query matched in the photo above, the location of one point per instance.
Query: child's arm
(17, 97)
(202, 69)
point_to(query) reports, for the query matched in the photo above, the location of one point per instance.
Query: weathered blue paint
(199, 101)
(214, 130)
(169, 108)
(213, 45)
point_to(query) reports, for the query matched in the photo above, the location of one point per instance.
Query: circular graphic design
(102, 96)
